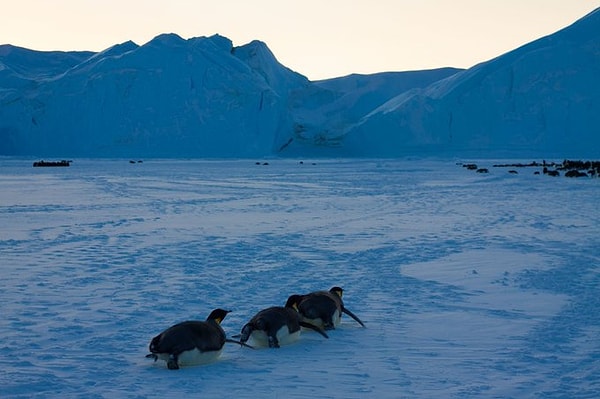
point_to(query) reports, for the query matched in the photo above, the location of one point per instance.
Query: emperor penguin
(276, 326)
(322, 308)
(191, 342)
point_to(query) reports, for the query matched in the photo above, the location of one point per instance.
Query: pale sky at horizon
(319, 39)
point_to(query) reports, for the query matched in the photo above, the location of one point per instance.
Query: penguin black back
(274, 326)
(322, 308)
(190, 342)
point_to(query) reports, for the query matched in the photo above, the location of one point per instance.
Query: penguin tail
(154, 343)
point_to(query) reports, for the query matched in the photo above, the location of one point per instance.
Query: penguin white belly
(194, 357)
(283, 335)
(337, 318)
(163, 356)
(259, 338)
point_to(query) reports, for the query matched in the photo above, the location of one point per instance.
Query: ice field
(470, 285)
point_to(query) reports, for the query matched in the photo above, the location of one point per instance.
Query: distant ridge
(542, 98)
(203, 97)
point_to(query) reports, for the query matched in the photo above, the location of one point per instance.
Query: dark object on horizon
(523, 165)
(575, 173)
(51, 163)
(551, 172)
(579, 168)
(576, 168)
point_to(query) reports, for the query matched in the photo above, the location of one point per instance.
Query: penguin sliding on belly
(191, 342)
(322, 308)
(275, 326)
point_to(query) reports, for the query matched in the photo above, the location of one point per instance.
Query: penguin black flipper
(355, 317)
(314, 328)
(233, 341)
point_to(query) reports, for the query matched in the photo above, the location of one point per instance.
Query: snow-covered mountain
(169, 97)
(202, 97)
(542, 98)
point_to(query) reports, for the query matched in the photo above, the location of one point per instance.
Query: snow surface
(470, 285)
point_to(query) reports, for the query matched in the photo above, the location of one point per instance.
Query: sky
(319, 39)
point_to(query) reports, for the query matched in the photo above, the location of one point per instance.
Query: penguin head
(217, 315)
(293, 301)
(337, 291)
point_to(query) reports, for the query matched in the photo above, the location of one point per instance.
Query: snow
(541, 99)
(470, 285)
(204, 98)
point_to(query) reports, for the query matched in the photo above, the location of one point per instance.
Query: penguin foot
(273, 343)
(172, 363)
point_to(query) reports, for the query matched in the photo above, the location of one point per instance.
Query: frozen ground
(470, 285)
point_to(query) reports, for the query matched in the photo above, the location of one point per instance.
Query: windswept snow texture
(470, 285)
(202, 98)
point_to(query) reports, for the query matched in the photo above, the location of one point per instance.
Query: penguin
(322, 308)
(276, 326)
(191, 342)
